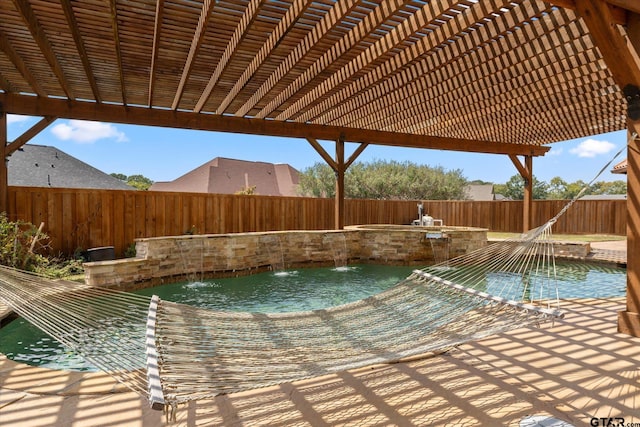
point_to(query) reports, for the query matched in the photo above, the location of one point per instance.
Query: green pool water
(279, 292)
(297, 290)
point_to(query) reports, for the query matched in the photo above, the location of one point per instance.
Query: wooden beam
(334, 16)
(323, 153)
(621, 59)
(196, 42)
(364, 27)
(4, 180)
(7, 48)
(522, 170)
(394, 98)
(29, 134)
(5, 84)
(631, 5)
(286, 23)
(619, 14)
(415, 22)
(116, 40)
(39, 106)
(355, 154)
(331, 162)
(377, 78)
(82, 52)
(157, 28)
(230, 50)
(40, 37)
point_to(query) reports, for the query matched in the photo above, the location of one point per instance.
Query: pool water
(285, 291)
(296, 290)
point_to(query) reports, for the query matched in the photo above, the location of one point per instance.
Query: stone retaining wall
(171, 259)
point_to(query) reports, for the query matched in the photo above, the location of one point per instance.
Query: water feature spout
(439, 246)
(337, 242)
(191, 255)
(272, 247)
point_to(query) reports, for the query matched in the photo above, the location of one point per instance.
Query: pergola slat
(42, 40)
(473, 71)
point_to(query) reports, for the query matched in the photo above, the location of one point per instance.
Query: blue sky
(163, 154)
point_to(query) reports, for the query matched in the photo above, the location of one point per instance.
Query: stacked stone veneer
(170, 259)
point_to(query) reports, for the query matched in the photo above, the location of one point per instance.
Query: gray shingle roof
(45, 166)
(479, 192)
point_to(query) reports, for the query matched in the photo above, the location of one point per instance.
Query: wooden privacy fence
(78, 219)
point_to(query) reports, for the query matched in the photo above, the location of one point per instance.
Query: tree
(140, 182)
(120, 176)
(574, 188)
(385, 180)
(247, 191)
(514, 188)
(612, 187)
(317, 181)
(557, 188)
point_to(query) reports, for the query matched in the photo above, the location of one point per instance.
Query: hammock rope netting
(175, 353)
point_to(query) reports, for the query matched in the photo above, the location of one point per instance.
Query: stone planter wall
(171, 259)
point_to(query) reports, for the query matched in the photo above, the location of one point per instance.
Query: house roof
(604, 197)
(479, 192)
(467, 75)
(46, 166)
(620, 168)
(228, 176)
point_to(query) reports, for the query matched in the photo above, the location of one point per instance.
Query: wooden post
(339, 166)
(629, 319)
(526, 171)
(340, 170)
(4, 180)
(527, 207)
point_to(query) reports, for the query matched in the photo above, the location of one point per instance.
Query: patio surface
(578, 369)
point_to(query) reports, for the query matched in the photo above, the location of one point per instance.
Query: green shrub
(19, 242)
(131, 251)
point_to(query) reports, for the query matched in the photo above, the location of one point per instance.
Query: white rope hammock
(176, 353)
(193, 353)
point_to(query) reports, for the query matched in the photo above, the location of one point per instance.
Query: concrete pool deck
(578, 369)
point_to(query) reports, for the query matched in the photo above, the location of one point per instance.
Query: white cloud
(86, 132)
(13, 118)
(555, 151)
(592, 148)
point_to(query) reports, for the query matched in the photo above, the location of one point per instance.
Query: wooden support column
(526, 171)
(29, 134)
(4, 180)
(340, 167)
(629, 319)
(622, 56)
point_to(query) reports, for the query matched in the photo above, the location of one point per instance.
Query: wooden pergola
(490, 76)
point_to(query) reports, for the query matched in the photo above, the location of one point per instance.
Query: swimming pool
(297, 290)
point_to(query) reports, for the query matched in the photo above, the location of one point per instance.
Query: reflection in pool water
(296, 290)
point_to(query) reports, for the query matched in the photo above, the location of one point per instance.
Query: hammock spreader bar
(156, 396)
(558, 314)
